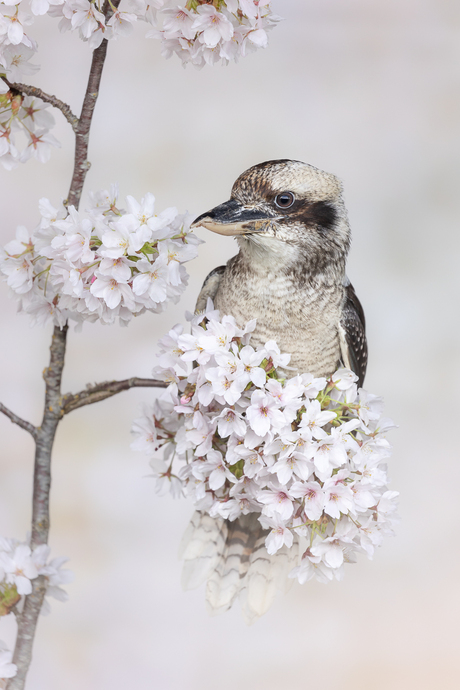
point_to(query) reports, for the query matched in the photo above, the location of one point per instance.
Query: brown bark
(101, 391)
(52, 100)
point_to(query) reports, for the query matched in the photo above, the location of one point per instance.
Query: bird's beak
(232, 218)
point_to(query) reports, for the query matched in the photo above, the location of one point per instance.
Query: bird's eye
(284, 200)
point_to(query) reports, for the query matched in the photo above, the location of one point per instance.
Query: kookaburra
(292, 229)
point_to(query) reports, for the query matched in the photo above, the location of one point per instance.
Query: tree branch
(17, 420)
(55, 102)
(101, 391)
(82, 165)
(44, 441)
(27, 622)
(45, 438)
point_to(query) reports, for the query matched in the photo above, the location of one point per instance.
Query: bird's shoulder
(352, 331)
(209, 288)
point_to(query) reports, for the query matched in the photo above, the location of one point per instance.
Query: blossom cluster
(25, 125)
(102, 265)
(219, 31)
(307, 454)
(19, 565)
(202, 31)
(25, 122)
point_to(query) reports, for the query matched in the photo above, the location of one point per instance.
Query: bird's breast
(301, 317)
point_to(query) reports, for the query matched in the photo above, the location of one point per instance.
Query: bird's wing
(232, 558)
(209, 289)
(352, 332)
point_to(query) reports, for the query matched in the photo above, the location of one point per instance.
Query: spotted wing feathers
(352, 331)
(209, 289)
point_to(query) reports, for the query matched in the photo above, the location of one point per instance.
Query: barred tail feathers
(201, 546)
(233, 559)
(266, 575)
(228, 577)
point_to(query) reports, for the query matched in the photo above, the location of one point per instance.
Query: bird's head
(288, 209)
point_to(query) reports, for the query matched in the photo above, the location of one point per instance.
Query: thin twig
(101, 391)
(52, 100)
(17, 420)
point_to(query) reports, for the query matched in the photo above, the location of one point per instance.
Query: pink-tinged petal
(39, 7)
(23, 585)
(205, 394)
(258, 376)
(217, 478)
(112, 295)
(259, 38)
(7, 669)
(15, 32)
(141, 284)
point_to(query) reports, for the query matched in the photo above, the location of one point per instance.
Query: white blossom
(279, 535)
(7, 669)
(212, 26)
(100, 266)
(204, 34)
(199, 33)
(263, 413)
(25, 121)
(19, 565)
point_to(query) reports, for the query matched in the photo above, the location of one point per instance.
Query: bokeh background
(370, 92)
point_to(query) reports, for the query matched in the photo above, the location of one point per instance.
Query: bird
(291, 225)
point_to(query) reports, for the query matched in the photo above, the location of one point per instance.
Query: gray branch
(17, 420)
(82, 165)
(27, 623)
(101, 391)
(44, 441)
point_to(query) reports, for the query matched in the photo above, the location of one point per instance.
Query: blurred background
(370, 92)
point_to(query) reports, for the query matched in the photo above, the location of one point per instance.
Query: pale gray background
(368, 91)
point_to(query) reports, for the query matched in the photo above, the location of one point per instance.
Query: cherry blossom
(211, 26)
(279, 535)
(298, 452)
(263, 413)
(102, 265)
(19, 565)
(18, 568)
(25, 124)
(208, 33)
(7, 669)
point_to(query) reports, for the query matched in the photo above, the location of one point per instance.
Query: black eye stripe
(284, 200)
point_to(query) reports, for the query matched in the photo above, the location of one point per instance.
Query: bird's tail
(231, 557)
